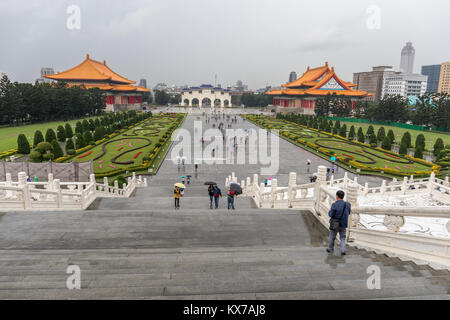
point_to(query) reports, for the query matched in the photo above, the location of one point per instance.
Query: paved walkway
(142, 248)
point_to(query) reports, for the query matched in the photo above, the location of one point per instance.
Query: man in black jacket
(339, 213)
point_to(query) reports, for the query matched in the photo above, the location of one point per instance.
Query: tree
(99, 133)
(85, 125)
(361, 137)
(61, 134)
(420, 141)
(386, 144)
(418, 153)
(57, 151)
(323, 106)
(69, 145)
(337, 127)
(407, 139)
(80, 143)
(381, 134)
(50, 135)
(391, 135)
(392, 108)
(403, 148)
(78, 127)
(23, 146)
(351, 134)
(38, 137)
(370, 132)
(343, 131)
(161, 97)
(373, 140)
(88, 137)
(438, 147)
(68, 130)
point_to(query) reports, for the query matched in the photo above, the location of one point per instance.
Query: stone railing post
(404, 185)
(446, 182)
(50, 181)
(22, 179)
(345, 180)
(431, 182)
(274, 188)
(255, 179)
(366, 189)
(291, 186)
(260, 191)
(105, 182)
(92, 181)
(57, 188)
(352, 198)
(116, 187)
(321, 180)
(8, 179)
(383, 187)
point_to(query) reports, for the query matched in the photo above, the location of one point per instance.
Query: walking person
(211, 195)
(309, 165)
(177, 196)
(339, 213)
(217, 194)
(230, 199)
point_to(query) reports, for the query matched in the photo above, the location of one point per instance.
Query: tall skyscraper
(143, 83)
(444, 78)
(407, 59)
(292, 76)
(433, 72)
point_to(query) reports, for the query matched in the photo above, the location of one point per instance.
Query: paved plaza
(142, 248)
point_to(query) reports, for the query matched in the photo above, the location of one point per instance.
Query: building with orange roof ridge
(301, 94)
(120, 93)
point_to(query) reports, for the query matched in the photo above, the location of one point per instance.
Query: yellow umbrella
(180, 185)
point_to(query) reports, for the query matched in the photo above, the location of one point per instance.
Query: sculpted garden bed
(136, 149)
(349, 153)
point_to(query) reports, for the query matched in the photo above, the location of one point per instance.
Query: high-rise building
(372, 81)
(45, 71)
(143, 83)
(444, 78)
(407, 59)
(433, 72)
(292, 76)
(404, 85)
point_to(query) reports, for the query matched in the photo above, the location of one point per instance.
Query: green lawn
(9, 134)
(130, 147)
(430, 137)
(346, 150)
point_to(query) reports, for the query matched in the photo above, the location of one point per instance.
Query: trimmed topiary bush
(438, 147)
(57, 151)
(391, 135)
(80, 143)
(35, 156)
(50, 135)
(386, 144)
(381, 134)
(68, 130)
(48, 157)
(43, 147)
(61, 134)
(23, 146)
(38, 137)
(420, 141)
(418, 153)
(407, 139)
(403, 148)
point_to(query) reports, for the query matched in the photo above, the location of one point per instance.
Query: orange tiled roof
(315, 79)
(110, 87)
(90, 70)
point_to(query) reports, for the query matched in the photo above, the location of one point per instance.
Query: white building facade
(404, 85)
(206, 96)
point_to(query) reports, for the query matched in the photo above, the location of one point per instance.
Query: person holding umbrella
(235, 190)
(230, 199)
(211, 195)
(217, 194)
(177, 196)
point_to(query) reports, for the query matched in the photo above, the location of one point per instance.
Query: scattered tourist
(177, 196)
(211, 195)
(308, 163)
(265, 182)
(217, 194)
(230, 199)
(339, 213)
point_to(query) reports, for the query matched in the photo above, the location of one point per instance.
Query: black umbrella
(208, 183)
(236, 188)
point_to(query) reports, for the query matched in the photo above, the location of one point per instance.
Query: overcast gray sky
(189, 41)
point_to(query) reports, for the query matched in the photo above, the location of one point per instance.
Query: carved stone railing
(319, 196)
(57, 195)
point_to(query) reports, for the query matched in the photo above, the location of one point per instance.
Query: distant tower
(407, 60)
(143, 83)
(292, 76)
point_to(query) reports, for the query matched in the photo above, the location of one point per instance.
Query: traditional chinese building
(120, 93)
(300, 95)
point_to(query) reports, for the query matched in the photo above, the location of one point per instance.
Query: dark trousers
(177, 202)
(230, 202)
(216, 201)
(342, 236)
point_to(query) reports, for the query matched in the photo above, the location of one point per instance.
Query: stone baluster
(366, 189)
(321, 180)
(345, 180)
(404, 185)
(291, 186)
(431, 182)
(106, 183)
(25, 196)
(446, 182)
(260, 192)
(57, 188)
(332, 180)
(92, 181)
(352, 198)
(49, 185)
(383, 187)
(116, 187)
(274, 188)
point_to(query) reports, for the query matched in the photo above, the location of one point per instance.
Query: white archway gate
(206, 96)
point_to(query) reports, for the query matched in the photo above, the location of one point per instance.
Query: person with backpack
(217, 194)
(339, 213)
(230, 199)
(211, 195)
